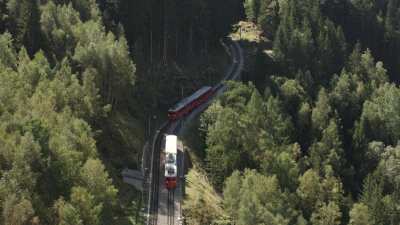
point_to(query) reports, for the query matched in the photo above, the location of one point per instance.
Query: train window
(171, 171)
(170, 158)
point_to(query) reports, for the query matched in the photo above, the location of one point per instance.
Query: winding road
(164, 207)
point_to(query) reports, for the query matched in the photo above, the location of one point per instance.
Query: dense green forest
(78, 79)
(312, 135)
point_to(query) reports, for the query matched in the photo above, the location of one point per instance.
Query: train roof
(186, 100)
(171, 144)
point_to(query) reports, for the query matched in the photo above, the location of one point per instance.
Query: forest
(311, 135)
(77, 81)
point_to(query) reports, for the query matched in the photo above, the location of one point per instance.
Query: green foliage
(87, 44)
(332, 118)
(347, 97)
(202, 204)
(293, 95)
(232, 188)
(379, 120)
(381, 188)
(257, 199)
(8, 55)
(58, 23)
(389, 162)
(94, 177)
(17, 211)
(305, 40)
(48, 106)
(252, 8)
(322, 112)
(67, 214)
(327, 115)
(268, 18)
(23, 23)
(225, 153)
(372, 197)
(327, 214)
(108, 60)
(277, 124)
(242, 108)
(84, 202)
(309, 189)
(87, 9)
(328, 151)
(360, 215)
(315, 192)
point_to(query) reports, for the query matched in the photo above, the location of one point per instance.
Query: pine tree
(17, 211)
(24, 23)
(360, 215)
(252, 8)
(327, 214)
(67, 214)
(379, 118)
(85, 204)
(96, 180)
(268, 18)
(322, 112)
(372, 197)
(328, 151)
(231, 197)
(259, 199)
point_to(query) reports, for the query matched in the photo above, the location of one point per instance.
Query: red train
(181, 109)
(186, 105)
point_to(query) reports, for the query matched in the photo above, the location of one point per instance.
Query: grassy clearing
(248, 31)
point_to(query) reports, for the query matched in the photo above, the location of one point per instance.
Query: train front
(171, 169)
(170, 176)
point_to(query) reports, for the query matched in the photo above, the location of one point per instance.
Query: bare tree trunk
(151, 47)
(191, 39)
(151, 37)
(109, 90)
(177, 43)
(205, 47)
(165, 34)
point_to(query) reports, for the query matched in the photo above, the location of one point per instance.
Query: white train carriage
(171, 169)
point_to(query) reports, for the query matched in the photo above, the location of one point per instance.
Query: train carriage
(171, 169)
(187, 105)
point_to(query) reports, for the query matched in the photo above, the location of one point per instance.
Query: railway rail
(171, 207)
(173, 127)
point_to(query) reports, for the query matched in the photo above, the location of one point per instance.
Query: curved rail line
(153, 198)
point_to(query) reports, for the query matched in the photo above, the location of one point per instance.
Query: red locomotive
(187, 105)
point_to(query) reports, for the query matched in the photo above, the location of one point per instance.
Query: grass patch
(202, 204)
(248, 31)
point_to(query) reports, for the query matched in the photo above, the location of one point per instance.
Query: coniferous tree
(360, 215)
(328, 214)
(252, 8)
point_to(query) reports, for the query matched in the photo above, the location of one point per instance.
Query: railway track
(155, 175)
(171, 207)
(173, 127)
